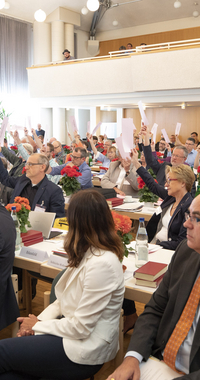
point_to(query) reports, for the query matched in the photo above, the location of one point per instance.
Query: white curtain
(16, 53)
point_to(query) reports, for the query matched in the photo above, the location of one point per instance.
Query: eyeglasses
(193, 219)
(32, 164)
(168, 180)
(75, 157)
(176, 156)
(189, 144)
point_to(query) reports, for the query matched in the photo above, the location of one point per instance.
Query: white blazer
(90, 299)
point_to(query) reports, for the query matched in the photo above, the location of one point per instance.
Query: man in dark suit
(157, 323)
(9, 310)
(35, 186)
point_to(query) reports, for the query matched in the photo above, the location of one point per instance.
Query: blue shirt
(191, 157)
(84, 180)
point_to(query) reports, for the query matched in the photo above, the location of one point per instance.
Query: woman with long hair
(75, 335)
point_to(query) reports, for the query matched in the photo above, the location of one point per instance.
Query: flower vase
(149, 204)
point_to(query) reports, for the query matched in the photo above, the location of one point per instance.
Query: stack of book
(31, 237)
(150, 274)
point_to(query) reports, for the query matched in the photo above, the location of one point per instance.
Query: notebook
(42, 221)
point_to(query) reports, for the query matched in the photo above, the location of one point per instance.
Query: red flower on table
(71, 171)
(122, 223)
(14, 147)
(140, 182)
(159, 154)
(23, 170)
(198, 169)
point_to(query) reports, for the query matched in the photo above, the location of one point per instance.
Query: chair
(49, 297)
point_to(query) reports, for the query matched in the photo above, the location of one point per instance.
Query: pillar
(69, 38)
(41, 42)
(57, 40)
(59, 124)
(46, 122)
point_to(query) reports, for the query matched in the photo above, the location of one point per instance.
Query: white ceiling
(139, 13)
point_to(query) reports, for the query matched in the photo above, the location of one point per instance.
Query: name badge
(57, 262)
(33, 254)
(40, 208)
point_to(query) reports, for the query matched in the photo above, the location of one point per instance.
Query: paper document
(154, 131)
(95, 129)
(142, 113)
(154, 369)
(177, 130)
(165, 136)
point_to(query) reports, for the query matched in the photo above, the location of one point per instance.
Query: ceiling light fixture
(7, 5)
(39, 15)
(115, 23)
(93, 5)
(2, 4)
(195, 14)
(177, 4)
(84, 11)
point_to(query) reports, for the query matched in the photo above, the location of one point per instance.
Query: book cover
(31, 235)
(150, 271)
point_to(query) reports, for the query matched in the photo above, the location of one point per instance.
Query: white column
(41, 42)
(69, 38)
(119, 121)
(59, 124)
(57, 40)
(46, 121)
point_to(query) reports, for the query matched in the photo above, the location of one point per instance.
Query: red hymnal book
(150, 271)
(31, 237)
(115, 201)
(150, 284)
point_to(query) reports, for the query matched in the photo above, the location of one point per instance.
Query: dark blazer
(159, 169)
(155, 325)
(176, 230)
(48, 193)
(9, 310)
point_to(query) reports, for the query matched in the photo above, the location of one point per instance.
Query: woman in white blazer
(74, 336)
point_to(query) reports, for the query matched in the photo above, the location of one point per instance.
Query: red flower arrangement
(14, 148)
(66, 149)
(69, 181)
(123, 227)
(24, 170)
(22, 209)
(145, 194)
(159, 154)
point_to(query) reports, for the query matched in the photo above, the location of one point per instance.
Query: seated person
(5, 192)
(9, 310)
(17, 162)
(159, 330)
(35, 186)
(105, 159)
(166, 227)
(80, 330)
(121, 176)
(78, 159)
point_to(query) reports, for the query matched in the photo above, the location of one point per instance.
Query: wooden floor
(38, 306)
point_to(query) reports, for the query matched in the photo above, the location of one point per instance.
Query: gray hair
(28, 147)
(82, 152)
(185, 152)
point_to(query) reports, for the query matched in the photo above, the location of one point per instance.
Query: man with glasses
(179, 156)
(161, 329)
(78, 157)
(190, 145)
(59, 153)
(35, 186)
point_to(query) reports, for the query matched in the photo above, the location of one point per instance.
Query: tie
(182, 327)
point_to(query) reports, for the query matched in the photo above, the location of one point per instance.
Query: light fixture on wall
(93, 5)
(177, 4)
(195, 13)
(40, 15)
(183, 106)
(2, 4)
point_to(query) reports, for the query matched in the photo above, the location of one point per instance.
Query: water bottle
(18, 236)
(141, 245)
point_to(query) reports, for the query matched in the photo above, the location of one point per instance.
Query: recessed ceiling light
(195, 14)
(115, 23)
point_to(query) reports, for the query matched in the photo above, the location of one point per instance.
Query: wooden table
(132, 292)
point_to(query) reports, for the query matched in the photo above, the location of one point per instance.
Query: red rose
(140, 182)
(198, 169)
(23, 170)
